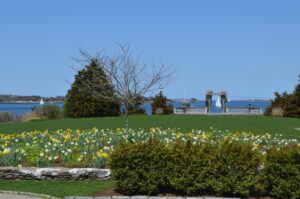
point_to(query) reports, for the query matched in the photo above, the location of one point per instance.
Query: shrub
(30, 116)
(43, 112)
(48, 112)
(140, 167)
(192, 167)
(160, 105)
(7, 117)
(236, 169)
(229, 168)
(283, 172)
(277, 112)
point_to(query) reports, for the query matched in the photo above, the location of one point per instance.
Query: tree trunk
(126, 118)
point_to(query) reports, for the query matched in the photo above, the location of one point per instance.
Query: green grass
(57, 188)
(255, 124)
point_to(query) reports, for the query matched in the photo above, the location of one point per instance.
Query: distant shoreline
(30, 102)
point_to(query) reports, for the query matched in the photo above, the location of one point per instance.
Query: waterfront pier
(220, 105)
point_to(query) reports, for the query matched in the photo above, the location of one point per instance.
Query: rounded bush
(140, 168)
(230, 168)
(283, 172)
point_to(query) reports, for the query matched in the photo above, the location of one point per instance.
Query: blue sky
(248, 48)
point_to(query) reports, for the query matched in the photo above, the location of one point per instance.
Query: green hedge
(226, 169)
(140, 168)
(283, 172)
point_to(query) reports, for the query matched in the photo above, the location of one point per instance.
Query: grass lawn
(57, 188)
(255, 124)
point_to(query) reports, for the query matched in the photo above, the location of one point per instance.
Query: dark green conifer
(289, 103)
(89, 94)
(293, 107)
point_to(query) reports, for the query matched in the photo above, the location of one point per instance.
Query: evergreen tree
(160, 105)
(293, 108)
(289, 103)
(280, 101)
(85, 98)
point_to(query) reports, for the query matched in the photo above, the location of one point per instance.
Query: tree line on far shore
(27, 99)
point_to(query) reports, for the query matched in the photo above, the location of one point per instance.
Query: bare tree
(130, 78)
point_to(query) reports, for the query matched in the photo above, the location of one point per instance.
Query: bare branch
(131, 79)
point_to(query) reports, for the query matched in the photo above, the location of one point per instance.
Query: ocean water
(20, 108)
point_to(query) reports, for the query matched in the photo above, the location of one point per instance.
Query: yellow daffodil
(6, 151)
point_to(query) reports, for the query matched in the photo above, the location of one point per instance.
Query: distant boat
(218, 103)
(184, 101)
(41, 101)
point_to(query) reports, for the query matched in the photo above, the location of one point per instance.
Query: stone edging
(53, 173)
(145, 197)
(28, 194)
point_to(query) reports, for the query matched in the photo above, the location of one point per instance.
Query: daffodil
(6, 151)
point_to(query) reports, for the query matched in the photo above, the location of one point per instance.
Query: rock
(120, 197)
(138, 197)
(55, 173)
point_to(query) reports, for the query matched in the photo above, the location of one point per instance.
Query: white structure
(41, 101)
(229, 111)
(190, 110)
(218, 103)
(244, 111)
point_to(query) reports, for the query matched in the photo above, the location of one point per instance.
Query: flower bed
(91, 148)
